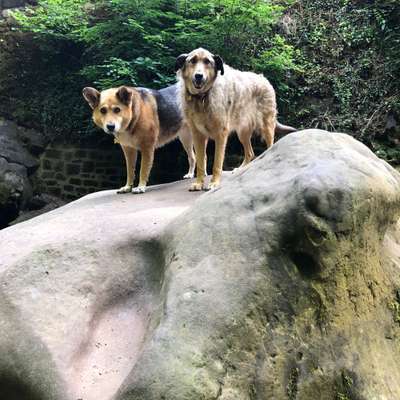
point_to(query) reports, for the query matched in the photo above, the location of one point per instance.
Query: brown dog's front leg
(200, 144)
(145, 167)
(220, 145)
(130, 161)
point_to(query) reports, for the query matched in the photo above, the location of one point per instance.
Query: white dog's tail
(282, 130)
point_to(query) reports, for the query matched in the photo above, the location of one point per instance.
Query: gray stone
(75, 181)
(15, 190)
(88, 166)
(73, 169)
(19, 148)
(34, 141)
(12, 3)
(12, 147)
(38, 205)
(54, 190)
(282, 284)
(53, 153)
(46, 164)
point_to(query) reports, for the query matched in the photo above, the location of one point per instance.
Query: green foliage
(64, 19)
(63, 46)
(335, 64)
(278, 61)
(350, 57)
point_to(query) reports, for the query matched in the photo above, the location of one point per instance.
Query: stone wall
(9, 5)
(69, 171)
(5, 4)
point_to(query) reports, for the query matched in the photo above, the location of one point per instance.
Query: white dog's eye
(117, 110)
(206, 61)
(193, 60)
(103, 110)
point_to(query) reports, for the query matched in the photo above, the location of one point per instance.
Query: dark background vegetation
(335, 64)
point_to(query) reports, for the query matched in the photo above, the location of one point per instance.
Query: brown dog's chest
(128, 139)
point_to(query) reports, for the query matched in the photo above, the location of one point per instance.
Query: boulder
(38, 204)
(19, 148)
(19, 145)
(15, 190)
(282, 284)
(5, 4)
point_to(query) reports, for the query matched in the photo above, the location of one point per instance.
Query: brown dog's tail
(282, 130)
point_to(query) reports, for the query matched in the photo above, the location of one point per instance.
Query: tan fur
(235, 101)
(138, 130)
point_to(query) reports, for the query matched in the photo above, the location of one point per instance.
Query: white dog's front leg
(125, 189)
(139, 189)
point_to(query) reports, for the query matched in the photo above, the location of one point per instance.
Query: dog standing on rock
(217, 100)
(140, 119)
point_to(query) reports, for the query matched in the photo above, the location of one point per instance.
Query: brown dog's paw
(196, 187)
(124, 189)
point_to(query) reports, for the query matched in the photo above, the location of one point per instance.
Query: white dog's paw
(240, 168)
(212, 185)
(189, 175)
(124, 189)
(139, 189)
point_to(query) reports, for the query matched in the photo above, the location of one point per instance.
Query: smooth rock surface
(282, 284)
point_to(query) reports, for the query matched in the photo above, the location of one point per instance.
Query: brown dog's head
(112, 108)
(199, 69)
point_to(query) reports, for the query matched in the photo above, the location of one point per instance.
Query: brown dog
(140, 119)
(217, 100)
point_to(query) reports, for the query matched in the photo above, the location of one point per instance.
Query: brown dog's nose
(110, 127)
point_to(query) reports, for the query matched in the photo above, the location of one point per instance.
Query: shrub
(60, 46)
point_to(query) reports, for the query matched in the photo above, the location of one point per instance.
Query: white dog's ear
(124, 95)
(92, 96)
(219, 64)
(180, 61)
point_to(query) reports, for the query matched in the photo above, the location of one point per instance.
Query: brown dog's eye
(103, 110)
(117, 110)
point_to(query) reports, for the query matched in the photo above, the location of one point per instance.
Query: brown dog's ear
(124, 95)
(180, 61)
(92, 96)
(219, 64)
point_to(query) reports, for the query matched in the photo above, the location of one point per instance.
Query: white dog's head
(199, 69)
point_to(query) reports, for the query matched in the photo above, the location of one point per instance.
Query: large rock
(6, 4)
(16, 143)
(19, 148)
(283, 284)
(15, 190)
